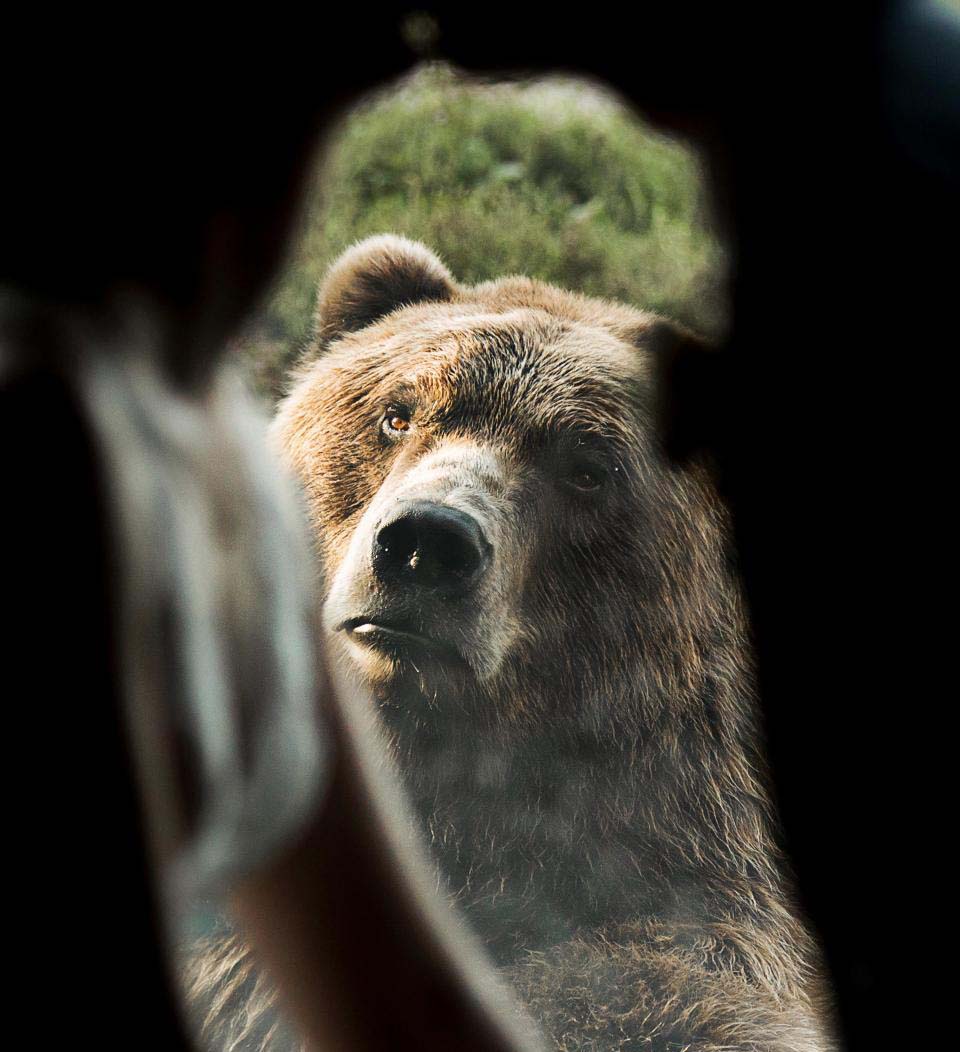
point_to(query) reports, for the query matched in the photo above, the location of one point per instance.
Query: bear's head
(506, 547)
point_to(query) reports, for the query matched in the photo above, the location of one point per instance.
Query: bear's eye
(585, 478)
(396, 421)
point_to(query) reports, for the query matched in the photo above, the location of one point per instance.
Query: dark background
(153, 156)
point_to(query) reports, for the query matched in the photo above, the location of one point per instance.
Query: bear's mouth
(397, 639)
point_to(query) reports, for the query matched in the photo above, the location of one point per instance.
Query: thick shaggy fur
(583, 752)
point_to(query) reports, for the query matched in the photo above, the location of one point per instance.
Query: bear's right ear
(692, 385)
(375, 277)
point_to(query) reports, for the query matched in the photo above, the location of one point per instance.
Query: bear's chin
(408, 673)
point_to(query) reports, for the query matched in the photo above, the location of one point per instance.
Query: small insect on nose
(428, 545)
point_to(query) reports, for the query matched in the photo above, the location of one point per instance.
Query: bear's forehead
(543, 367)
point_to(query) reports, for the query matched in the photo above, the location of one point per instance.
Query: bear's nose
(430, 545)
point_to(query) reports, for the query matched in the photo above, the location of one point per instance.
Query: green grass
(554, 179)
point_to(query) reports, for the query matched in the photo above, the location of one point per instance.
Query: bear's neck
(544, 833)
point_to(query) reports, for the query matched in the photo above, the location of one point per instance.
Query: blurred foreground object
(164, 591)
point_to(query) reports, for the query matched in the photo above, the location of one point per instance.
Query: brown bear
(546, 613)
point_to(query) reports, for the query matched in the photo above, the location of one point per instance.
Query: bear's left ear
(375, 277)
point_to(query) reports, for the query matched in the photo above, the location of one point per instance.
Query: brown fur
(588, 765)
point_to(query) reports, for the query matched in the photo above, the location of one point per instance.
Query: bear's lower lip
(394, 638)
(371, 630)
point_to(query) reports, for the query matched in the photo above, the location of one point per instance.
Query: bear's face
(504, 543)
